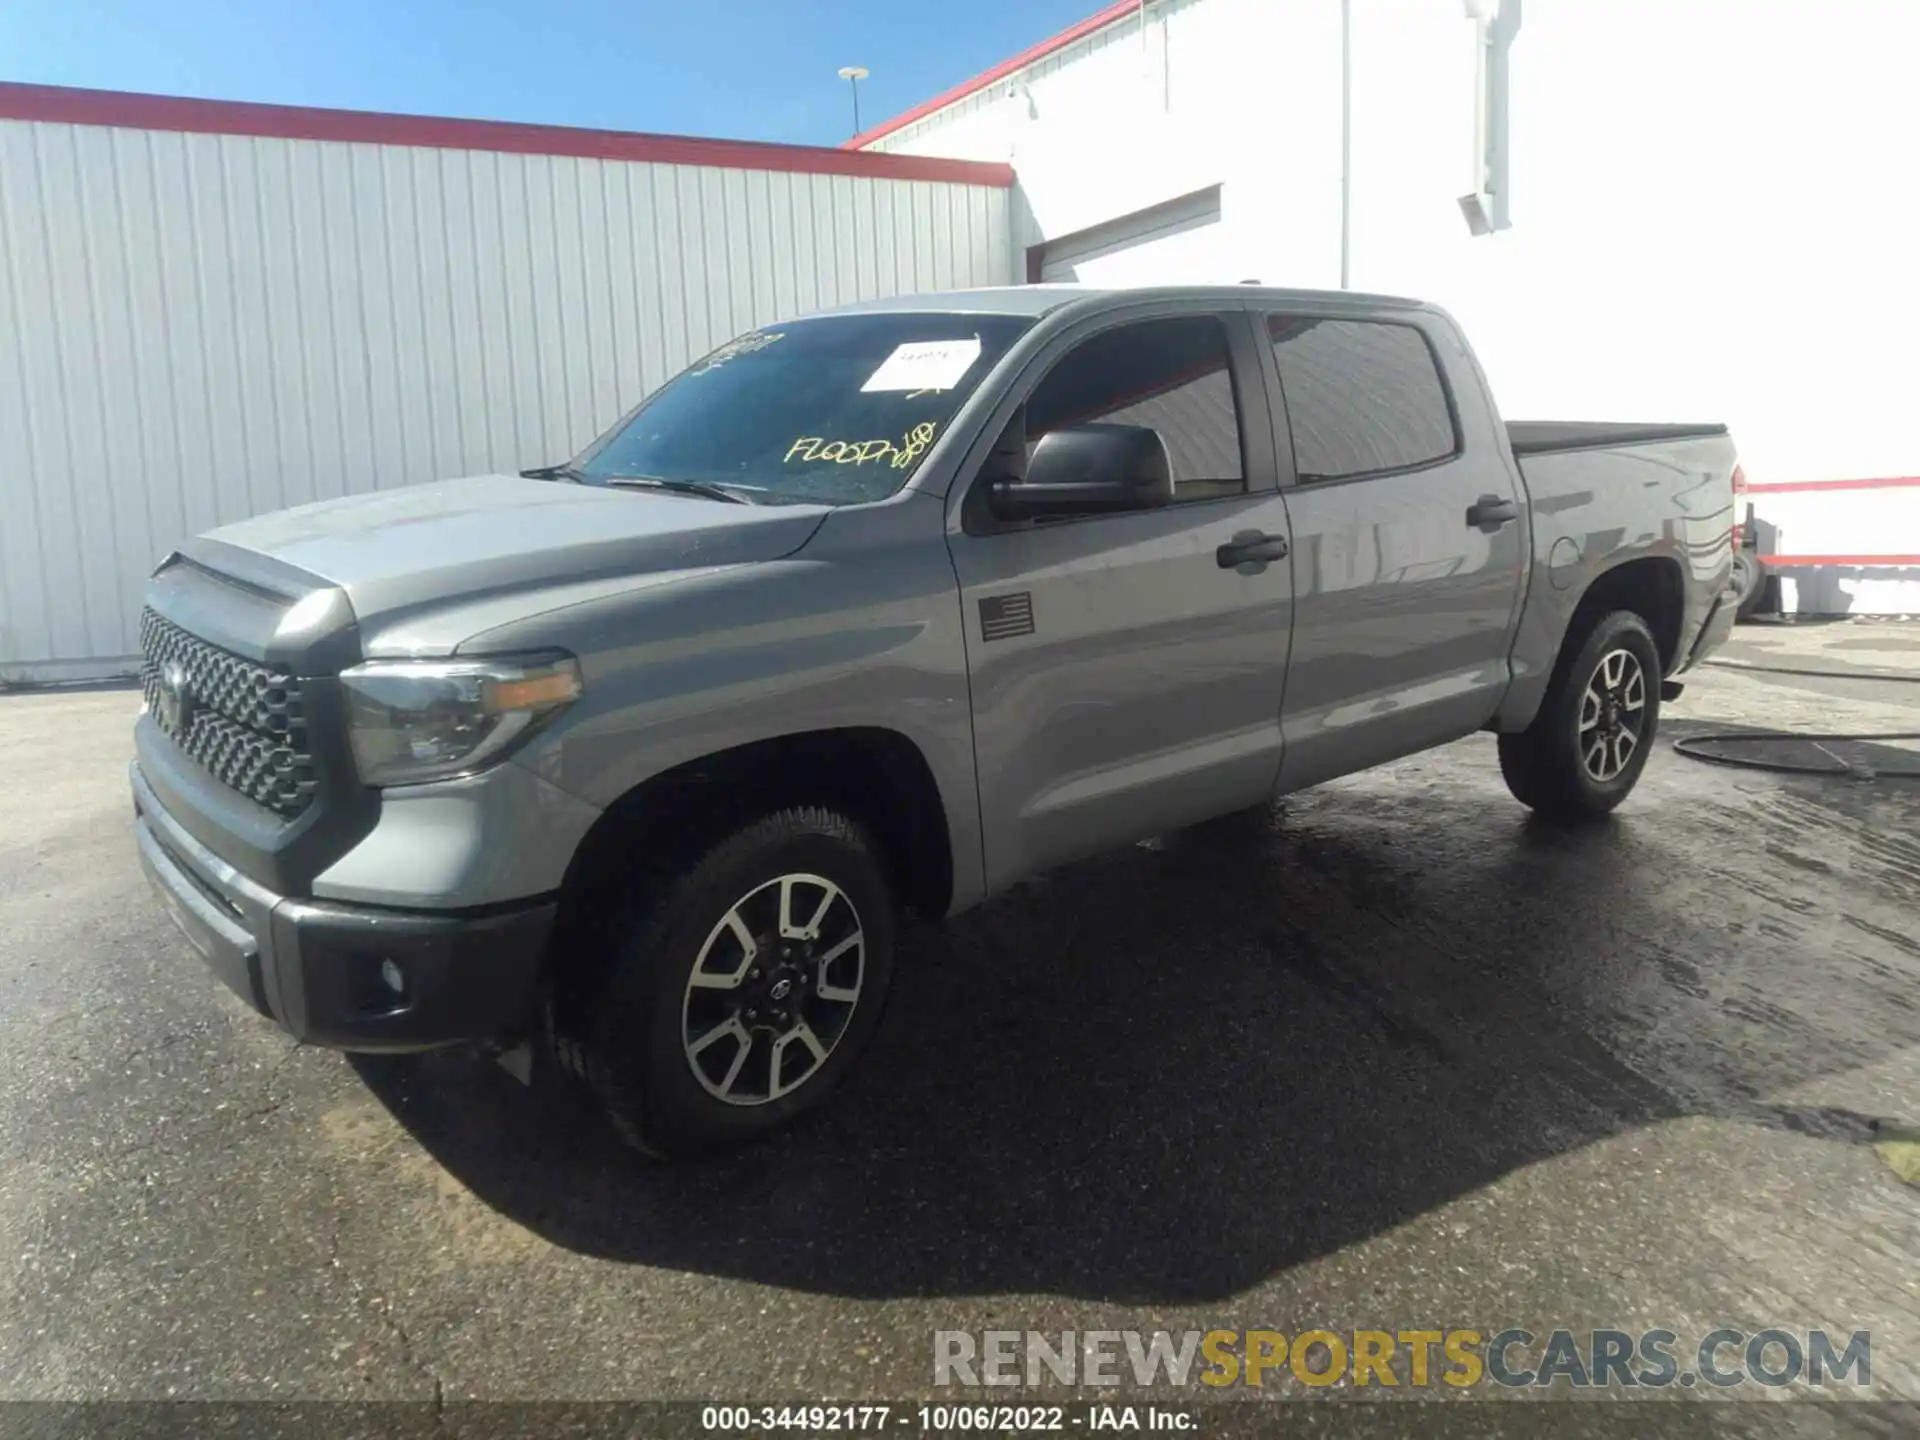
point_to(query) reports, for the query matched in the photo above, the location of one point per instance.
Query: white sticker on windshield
(925, 365)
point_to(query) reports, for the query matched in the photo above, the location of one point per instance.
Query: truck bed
(1538, 437)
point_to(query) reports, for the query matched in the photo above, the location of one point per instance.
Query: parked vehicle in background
(888, 607)
(1749, 578)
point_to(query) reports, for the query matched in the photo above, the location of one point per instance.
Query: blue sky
(749, 69)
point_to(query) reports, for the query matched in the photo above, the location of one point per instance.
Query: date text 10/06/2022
(941, 1419)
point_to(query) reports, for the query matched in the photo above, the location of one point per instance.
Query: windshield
(834, 411)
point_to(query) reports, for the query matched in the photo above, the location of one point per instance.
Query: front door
(1126, 673)
(1409, 543)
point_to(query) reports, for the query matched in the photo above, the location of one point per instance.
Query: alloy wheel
(773, 989)
(1612, 715)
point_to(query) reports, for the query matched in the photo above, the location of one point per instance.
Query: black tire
(1748, 582)
(628, 1035)
(1550, 766)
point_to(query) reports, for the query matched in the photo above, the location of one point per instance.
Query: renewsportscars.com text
(1460, 1358)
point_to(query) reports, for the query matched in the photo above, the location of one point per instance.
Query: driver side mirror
(1088, 470)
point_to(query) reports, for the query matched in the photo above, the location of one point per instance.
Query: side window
(1362, 396)
(1171, 375)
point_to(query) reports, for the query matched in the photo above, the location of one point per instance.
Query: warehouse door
(1172, 244)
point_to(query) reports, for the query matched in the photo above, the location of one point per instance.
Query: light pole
(853, 75)
(1346, 144)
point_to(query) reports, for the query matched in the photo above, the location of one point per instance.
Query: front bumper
(322, 970)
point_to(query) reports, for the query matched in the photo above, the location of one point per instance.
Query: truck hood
(398, 551)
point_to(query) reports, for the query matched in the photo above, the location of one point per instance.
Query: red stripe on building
(1117, 11)
(60, 105)
(1791, 561)
(1786, 487)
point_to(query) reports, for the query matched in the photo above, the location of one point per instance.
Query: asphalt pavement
(1393, 1055)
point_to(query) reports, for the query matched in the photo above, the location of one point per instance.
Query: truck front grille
(243, 722)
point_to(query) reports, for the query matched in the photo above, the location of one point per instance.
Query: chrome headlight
(417, 720)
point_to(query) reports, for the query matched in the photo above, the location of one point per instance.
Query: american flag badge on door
(1002, 617)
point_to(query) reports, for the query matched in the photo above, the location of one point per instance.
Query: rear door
(1126, 677)
(1409, 540)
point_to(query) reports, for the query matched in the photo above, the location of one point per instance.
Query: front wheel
(1590, 740)
(742, 988)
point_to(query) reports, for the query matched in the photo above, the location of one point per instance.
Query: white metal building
(212, 310)
(1699, 209)
(1710, 210)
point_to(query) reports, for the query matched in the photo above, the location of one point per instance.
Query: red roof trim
(1785, 487)
(1114, 12)
(1791, 562)
(57, 104)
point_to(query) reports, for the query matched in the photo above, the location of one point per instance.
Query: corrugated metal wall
(196, 327)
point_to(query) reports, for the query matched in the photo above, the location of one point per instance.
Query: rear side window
(1362, 397)
(1172, 375)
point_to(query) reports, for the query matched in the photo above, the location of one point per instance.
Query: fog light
(390, 973)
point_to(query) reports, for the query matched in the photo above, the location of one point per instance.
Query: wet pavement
(1395, 1055)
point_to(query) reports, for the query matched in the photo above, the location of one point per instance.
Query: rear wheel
(741, 988)
(1590, 740)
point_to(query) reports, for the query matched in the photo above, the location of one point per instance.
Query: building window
(1362, 398)
(1171, 375)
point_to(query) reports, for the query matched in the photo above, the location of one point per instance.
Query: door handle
(1490, 512)
(1251, 547)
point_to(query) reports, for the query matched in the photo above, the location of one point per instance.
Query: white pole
(1346, 144)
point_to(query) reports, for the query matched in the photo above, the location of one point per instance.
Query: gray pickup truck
(641, 756)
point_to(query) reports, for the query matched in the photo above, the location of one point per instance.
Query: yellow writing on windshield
(818, 449)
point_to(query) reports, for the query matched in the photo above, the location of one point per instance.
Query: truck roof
(1039, 299)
